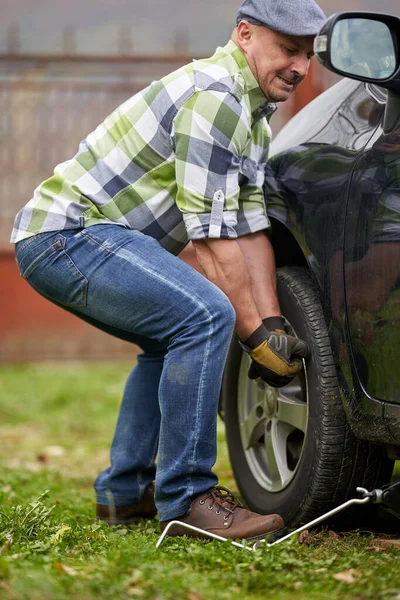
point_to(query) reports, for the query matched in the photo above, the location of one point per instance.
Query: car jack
(388, 496)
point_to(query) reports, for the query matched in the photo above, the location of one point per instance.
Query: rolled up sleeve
(210, 132)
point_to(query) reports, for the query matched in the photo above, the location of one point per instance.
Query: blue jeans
(123, 282)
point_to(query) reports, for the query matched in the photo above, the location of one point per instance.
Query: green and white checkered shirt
(182, 159)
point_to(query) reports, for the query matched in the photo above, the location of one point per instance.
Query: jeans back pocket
(50, 270)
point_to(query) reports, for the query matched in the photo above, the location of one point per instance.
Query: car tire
(310, 465)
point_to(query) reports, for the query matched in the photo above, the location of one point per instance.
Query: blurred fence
(47, 106)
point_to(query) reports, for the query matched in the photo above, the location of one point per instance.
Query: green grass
(56, 423)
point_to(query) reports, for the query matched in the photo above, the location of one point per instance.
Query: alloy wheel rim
(273, 427)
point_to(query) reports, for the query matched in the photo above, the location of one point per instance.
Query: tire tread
(345, 462)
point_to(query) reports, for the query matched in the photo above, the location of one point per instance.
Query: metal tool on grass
(388, 496)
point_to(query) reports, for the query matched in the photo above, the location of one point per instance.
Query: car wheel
(291, 448)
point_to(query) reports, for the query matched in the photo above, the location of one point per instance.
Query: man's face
(279, 62)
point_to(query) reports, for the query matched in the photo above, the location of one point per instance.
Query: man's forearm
(260, 260)
(223, 263)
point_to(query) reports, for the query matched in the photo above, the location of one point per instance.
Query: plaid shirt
(182, 159)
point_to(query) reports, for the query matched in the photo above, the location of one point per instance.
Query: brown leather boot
(131, 513)
(218, 512)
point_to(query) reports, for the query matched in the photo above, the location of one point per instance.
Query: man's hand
(276, 356)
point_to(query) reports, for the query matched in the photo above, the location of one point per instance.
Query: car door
(372, 259)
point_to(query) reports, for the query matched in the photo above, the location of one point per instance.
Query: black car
(333, 196)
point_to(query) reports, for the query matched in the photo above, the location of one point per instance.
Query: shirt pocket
(50, 270)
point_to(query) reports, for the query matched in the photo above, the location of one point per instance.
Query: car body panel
(331, 185)
(372, 267)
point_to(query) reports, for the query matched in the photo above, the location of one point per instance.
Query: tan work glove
(276, 355)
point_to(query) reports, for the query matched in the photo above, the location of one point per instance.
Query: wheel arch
(288, 252)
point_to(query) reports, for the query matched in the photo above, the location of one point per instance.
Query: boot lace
(224, 499)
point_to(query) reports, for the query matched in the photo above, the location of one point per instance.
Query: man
(182, 160)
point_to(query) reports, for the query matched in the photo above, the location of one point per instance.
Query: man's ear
(244, 34)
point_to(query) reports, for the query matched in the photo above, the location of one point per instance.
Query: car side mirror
(364, 46)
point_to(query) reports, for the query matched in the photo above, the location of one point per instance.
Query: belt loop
(82, 222)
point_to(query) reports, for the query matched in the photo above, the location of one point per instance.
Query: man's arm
(223, 262)
(245, 271)
(276, 356)
(260, 260)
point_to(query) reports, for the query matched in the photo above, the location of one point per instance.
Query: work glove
(276, 355)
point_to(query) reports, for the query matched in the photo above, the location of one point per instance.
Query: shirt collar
(260, 107)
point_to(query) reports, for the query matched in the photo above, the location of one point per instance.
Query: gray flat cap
(293, 17)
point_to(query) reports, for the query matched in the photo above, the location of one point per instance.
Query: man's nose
(301, 65)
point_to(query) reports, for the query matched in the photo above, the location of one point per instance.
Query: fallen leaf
(13, 463)
(31, 466)
(321, 570)
(42, 458)
(253, 569)
(332, 534)
(305, 538)
(7, 545)
(65, 569)
(135, 579)
(136, 591)
(386, 543)
(55, 451)
(348, 577)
